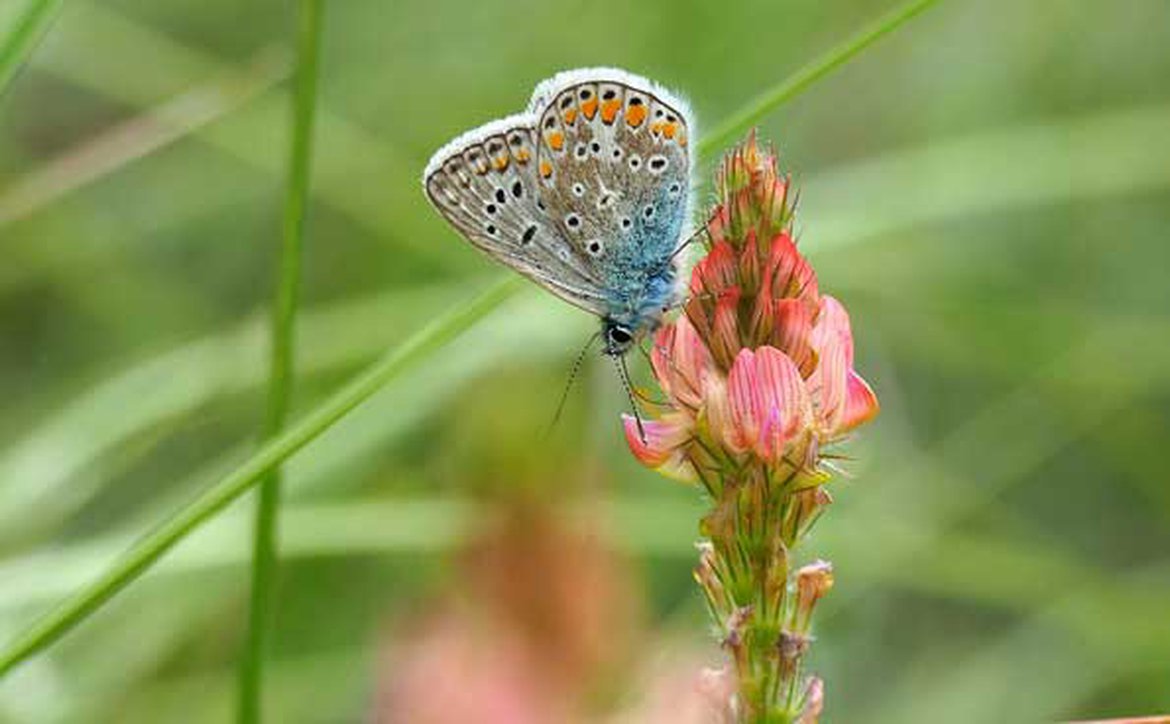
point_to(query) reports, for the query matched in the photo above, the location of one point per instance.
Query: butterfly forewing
(484, 183)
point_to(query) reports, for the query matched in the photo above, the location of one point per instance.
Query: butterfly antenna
(572, 378)
(690, 240)
(620, 362)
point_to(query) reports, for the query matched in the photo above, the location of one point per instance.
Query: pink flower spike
(663, 447)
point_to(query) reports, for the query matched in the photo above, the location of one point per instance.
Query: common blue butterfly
(587, 193)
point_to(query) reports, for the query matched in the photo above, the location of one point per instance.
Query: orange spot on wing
(682, 139)
(656, 127)
(589, 108)
(501, 163)
(635, 115)
(669, 129)
(556, 140)
(545, 169)
(522, 155)
(570, 116)
(609, 110)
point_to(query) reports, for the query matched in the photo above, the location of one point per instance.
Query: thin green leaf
(24, 36)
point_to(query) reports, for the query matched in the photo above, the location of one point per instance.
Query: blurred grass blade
(739, 123)
(284, 315)
(152, 547)
(19, 42)
(120, 145)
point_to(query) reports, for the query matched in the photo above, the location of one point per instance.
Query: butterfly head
(618, 337)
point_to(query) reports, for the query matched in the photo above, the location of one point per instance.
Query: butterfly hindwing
(484, 183)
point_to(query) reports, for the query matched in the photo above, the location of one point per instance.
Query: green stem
(793, 85)
(24, 36)
(280, 378)
(142, 555)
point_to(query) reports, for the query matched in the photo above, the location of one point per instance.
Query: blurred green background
(988, 190)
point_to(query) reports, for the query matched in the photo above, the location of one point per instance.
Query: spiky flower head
(759, 382)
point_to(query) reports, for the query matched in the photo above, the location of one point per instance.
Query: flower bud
(812, 582)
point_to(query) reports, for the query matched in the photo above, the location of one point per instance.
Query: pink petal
(790, 273)
(785, 399)
(660, 356)
(718, 415)
(792, 332)
(749, 262)
(767, 400)
(690, 362)
(745, 401)
(716, 271)
(725, 330)
(663, 447)
(833, 341)
(861, 404)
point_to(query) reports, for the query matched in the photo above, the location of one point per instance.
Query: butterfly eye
(620, 336)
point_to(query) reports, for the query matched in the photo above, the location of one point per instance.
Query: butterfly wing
(614, 168)
(485, 184)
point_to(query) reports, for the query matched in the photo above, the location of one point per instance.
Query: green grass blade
(28, 30)
(281, 370)
(801, 80)
(139, 558)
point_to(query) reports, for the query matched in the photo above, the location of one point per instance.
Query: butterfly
(586, 193)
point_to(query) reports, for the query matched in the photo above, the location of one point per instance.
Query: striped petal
(767, 401)
(663, 446)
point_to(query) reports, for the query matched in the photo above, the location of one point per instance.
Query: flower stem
(281, 370)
